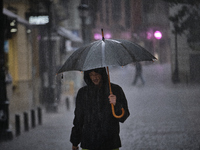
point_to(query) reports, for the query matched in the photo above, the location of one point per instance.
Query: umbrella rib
(126, 50)
(76, 63)
(133, 57)
(90, 55)
(114, 41)
(103, 53)
(147, 53)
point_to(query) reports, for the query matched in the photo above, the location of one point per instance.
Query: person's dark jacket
(94, 125)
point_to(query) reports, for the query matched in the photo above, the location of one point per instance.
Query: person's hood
(101, 71)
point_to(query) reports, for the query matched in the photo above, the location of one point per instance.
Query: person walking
(138, 73)
(95, 128)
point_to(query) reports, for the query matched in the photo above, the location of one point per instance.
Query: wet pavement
(163, 116)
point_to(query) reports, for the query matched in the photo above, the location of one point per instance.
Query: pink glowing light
(149, 35)
(97, 36)
(158, 35)
(107, 36)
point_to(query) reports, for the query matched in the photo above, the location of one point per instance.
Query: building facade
(21, 49)
(34, 52)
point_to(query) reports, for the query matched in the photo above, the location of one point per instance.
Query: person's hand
(74, 147)
(112, 99)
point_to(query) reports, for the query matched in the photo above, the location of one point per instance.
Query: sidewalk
(53, 134)
(163, 116)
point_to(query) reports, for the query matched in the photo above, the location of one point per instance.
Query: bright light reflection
(158, 35)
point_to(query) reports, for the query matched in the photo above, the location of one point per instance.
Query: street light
(158, 35)
(175, 75)
(83, 13)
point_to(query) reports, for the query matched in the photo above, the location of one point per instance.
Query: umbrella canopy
(106, 52)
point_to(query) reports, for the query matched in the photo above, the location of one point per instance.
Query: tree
(187, 19)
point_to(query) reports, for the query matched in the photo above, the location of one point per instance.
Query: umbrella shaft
(109, 81)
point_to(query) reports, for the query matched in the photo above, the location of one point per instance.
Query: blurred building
(39, 35)
(21, 50)
(147, 23)
(138, 21)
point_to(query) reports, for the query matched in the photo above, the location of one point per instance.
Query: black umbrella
(104, 53)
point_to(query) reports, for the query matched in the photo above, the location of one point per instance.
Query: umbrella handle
(113, 112)
(112, 106)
